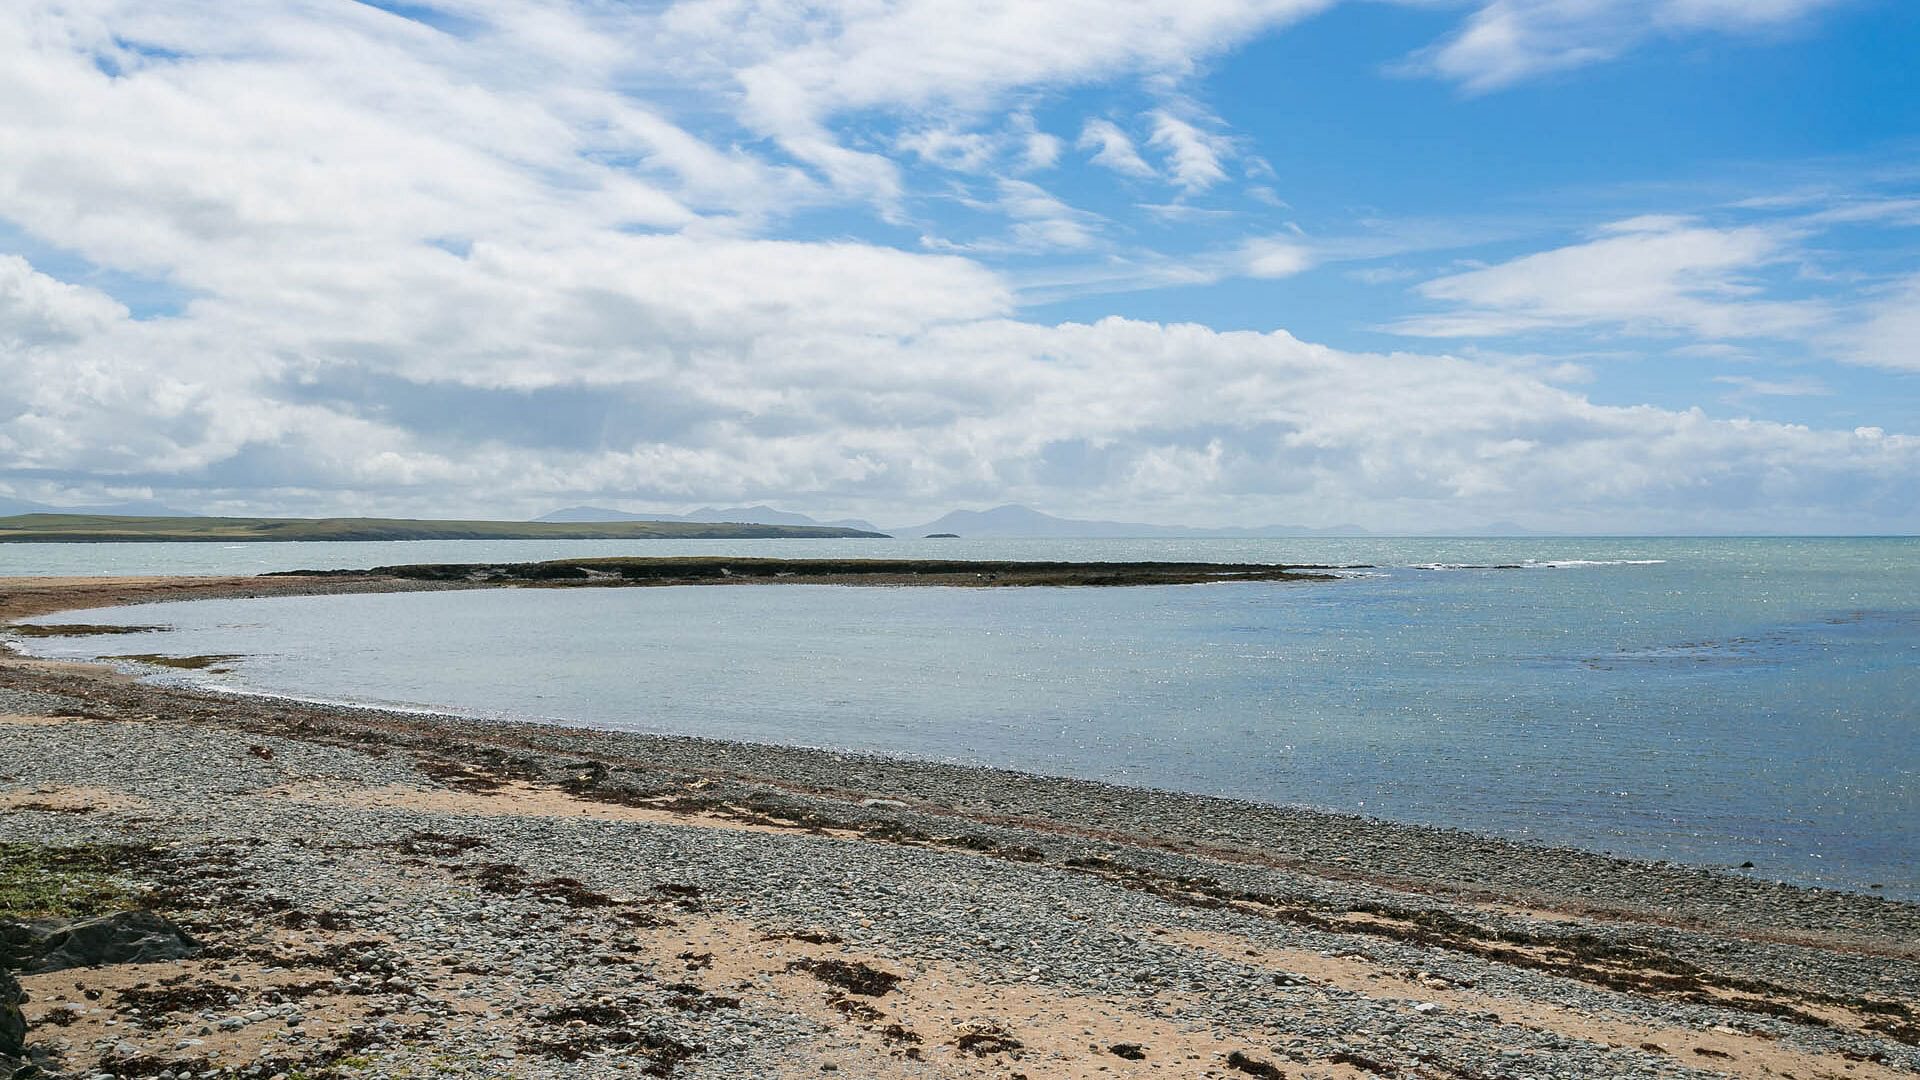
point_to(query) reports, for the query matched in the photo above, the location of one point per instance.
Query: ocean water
(1714, 701)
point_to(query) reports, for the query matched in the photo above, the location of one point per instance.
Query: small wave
(331, 702)
(1558, 563)
(1537, 564)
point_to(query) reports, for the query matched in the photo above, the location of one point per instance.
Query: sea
(1719, 701)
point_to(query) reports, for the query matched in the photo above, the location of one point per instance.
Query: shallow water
(1713, 701)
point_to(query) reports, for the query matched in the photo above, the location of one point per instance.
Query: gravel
(364, 854)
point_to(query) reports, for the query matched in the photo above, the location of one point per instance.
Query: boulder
(125, 937)
(19, 944)
(13, 1026)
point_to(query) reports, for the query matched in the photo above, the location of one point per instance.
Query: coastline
(1401, 940)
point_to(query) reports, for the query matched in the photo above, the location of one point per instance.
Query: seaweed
(852, 976)
(987, 1039)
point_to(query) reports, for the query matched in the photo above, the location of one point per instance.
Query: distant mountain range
(1001, 522)
(1011, 522)
(74, 528)
(1005, 522)
(140, 508)
(746, 515)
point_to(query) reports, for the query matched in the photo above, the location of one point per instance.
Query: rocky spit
(384, 895)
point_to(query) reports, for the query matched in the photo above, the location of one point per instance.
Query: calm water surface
(1714, 701)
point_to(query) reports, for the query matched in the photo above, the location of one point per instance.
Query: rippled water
(1715, 701)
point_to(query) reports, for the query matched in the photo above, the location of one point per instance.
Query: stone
(125, 937)
(13, 1026)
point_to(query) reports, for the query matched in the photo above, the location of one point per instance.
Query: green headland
(81, 528)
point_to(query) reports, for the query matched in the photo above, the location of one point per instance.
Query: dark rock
(1254, 1067)
(13, 1026)
(125, 937)
(19, 944)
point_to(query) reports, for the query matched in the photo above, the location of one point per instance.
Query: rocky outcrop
(13, 1026)
(125, 937)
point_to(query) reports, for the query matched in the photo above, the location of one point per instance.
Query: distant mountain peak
(10, 507)
(738, 515)
(1015, 521)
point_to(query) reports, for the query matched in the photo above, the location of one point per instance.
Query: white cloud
(1272, 257)
(964, 151)
(1113, 148)
(1042, 151)
(1646, 275)
(798, 68)
(1194, 157)
(470, 274)
(1508, 41)
(879, 409)
(1800, 386)
(37, 311)
(1020, 147)
(1040, 222)
(1889, 334)
(1043, 221)
(854, 55)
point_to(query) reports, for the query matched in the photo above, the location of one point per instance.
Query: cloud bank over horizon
(480, 258)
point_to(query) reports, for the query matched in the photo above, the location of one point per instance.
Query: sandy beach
(377, 894)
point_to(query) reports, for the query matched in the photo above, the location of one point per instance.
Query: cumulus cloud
(472, 270)
(890, 413)
(37, 311)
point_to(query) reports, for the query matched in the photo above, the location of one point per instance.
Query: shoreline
(24, 598)
(1438, 859)
(1779, 969)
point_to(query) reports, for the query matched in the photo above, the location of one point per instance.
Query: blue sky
(1624, 264)
(1400, 182)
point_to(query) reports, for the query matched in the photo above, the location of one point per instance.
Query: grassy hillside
(80, 528)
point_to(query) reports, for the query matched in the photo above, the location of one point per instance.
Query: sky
(1419, 265)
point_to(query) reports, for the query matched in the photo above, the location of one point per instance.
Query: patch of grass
(41, 882)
